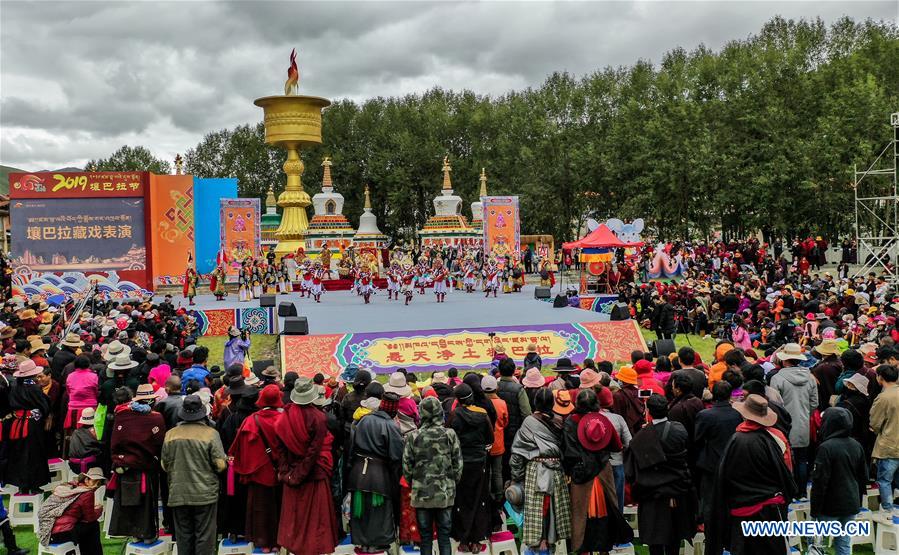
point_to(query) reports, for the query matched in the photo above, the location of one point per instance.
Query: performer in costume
(423, 276)
(365, 286)
(217, 283)
(318, 274)
(408, 279)
(190, 285)
(306, 284)
(257, 279)
(468, 276)
(441, 280)
(325, 257)
(392, 281)
(491, 278)
(244, 277)
(517, 276)
(284, 278)
(547, 279)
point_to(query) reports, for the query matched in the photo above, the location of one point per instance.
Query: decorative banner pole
(292, 121)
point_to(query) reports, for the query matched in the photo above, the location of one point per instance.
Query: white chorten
(327, 202)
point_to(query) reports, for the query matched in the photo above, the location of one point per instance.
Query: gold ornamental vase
(292, 122)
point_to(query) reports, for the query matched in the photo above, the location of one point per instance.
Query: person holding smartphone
(237, 347)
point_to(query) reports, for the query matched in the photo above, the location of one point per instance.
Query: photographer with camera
(237, 347)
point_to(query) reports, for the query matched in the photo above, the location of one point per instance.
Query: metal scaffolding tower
(877, 211)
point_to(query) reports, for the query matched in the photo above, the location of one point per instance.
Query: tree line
(761, 135)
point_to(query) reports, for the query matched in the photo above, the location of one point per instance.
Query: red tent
(600, 238)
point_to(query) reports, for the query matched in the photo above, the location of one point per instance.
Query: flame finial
(292, 85)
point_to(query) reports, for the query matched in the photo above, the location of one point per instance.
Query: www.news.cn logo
(806, 528)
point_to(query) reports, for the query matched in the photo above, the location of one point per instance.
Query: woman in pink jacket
(740, 335)
(82, 386)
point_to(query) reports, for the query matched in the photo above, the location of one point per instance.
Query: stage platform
(344, 312)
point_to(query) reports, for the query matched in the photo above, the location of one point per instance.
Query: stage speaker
(267, 301)
(620, 312)
(542, 293)
(561, 301)
(663, 347)
(295, 325)
(286, 309)
(260, 365)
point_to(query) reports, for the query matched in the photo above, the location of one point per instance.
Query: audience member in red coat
(71, 514)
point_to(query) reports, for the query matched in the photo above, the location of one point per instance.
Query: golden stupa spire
(447, 184)
(326, 175)
(270, 201)
(483, 183)
(367, 198)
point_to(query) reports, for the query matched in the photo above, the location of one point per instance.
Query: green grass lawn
(261, 347)
(705, 347)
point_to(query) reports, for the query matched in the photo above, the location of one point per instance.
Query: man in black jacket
(663, 319)
(511, 391)
(839, 475)
(714, 428)
(754, 483)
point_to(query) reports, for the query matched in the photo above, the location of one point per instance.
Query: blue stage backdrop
(207, 194)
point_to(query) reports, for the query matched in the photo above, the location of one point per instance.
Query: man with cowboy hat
(755, 482)
(68, 350)
(799, 391)
(566, 378)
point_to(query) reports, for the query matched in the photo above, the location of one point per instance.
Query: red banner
(77, 184)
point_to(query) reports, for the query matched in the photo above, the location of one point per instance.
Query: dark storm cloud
(79, 79)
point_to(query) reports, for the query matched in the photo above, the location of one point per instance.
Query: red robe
(308, 524)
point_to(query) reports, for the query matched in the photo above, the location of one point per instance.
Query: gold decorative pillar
(292, 122)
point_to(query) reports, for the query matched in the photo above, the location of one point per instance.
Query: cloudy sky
(79, 79)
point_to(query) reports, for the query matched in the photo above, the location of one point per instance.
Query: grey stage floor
(345, 312)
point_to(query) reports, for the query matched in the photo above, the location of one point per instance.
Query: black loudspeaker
(287, 309)
(542, 293)
(260, 365)
(267, 301)
(295, 325)
(663, 347)
(620, 312)
(560, 302)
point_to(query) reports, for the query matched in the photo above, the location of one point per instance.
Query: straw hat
(397, 384)
(28, 369)
(115, 349)
(144, 392)
(755, 408)
(87, 417)
(28, 314)
(439, 377)
(94, 474)
(37, 345)
(828, 347)
(72, 340)
(791, 351)
(7, 332)
(121, 362)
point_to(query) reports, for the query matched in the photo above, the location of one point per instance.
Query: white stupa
(477, 207)
(328, 227)
(447, 226)
(368, 234)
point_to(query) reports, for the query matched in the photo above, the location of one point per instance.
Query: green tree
(128, 158)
